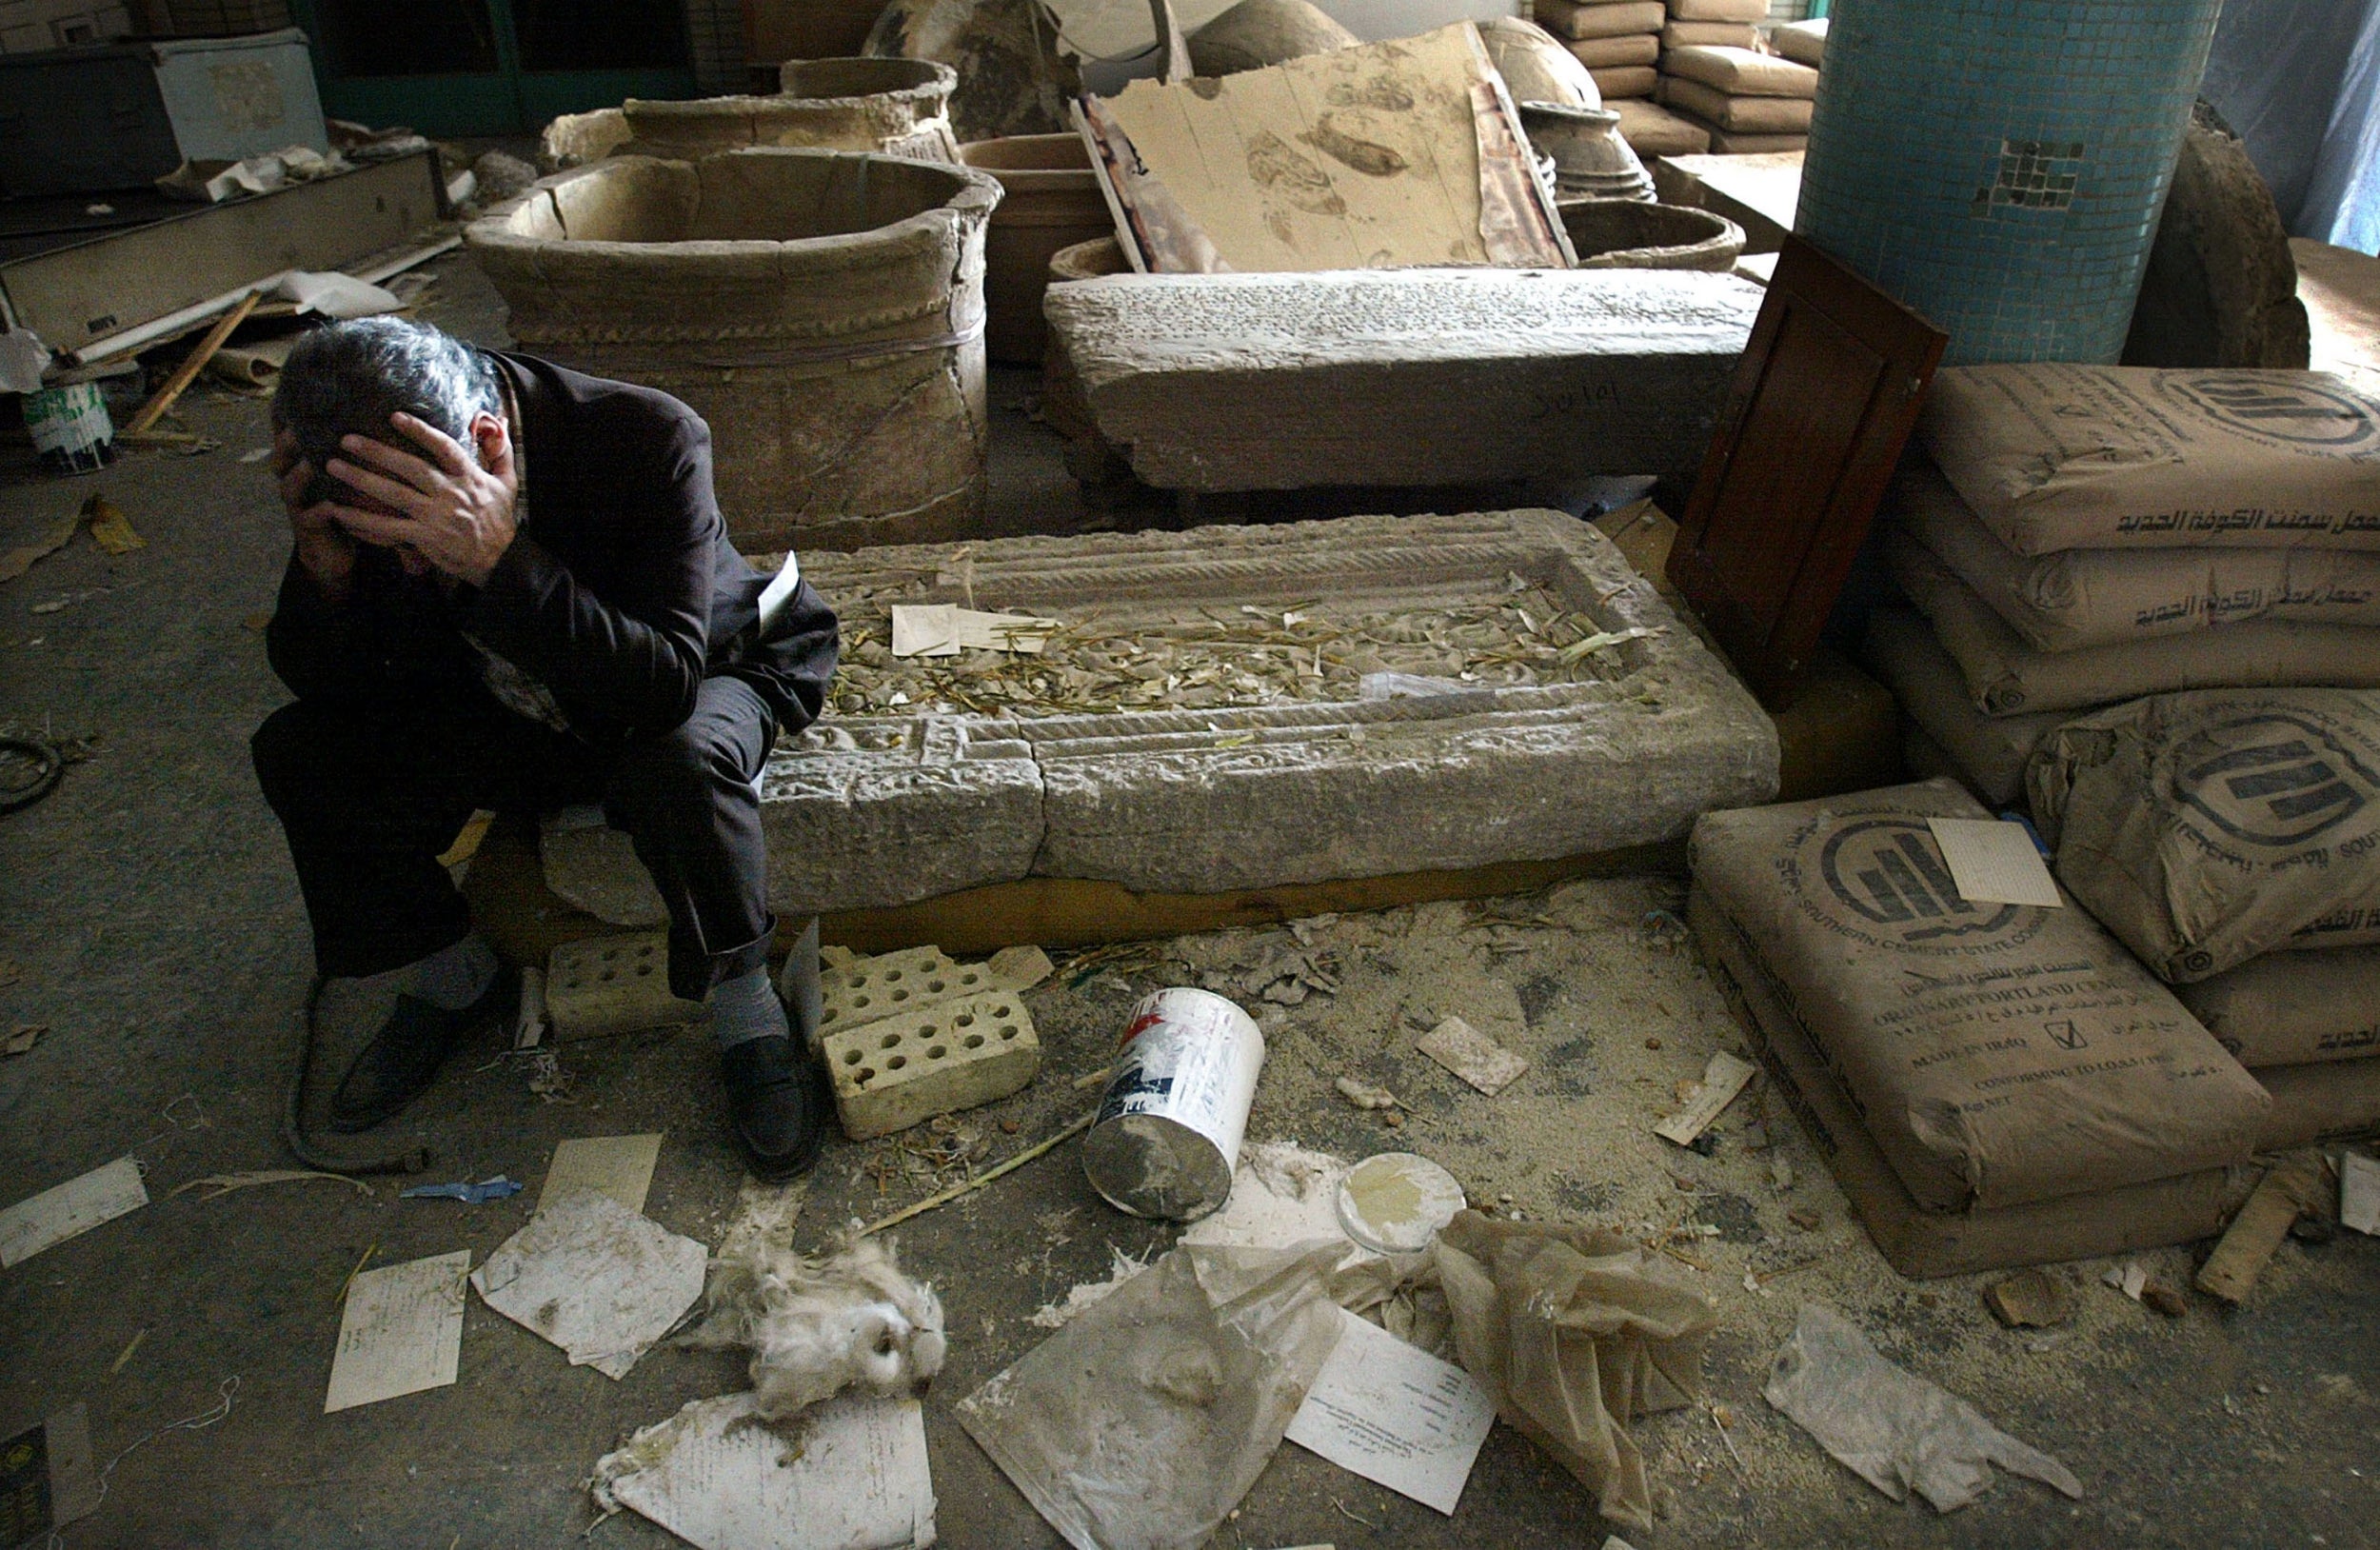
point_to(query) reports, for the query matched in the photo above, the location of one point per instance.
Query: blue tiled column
(1998, 165)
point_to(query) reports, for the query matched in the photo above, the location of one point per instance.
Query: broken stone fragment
(2030, 1300)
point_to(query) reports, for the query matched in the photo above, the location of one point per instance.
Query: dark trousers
(370, 795)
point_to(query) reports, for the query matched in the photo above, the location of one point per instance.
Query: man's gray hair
(347, 379)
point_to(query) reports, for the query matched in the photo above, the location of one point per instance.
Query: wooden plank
(2286, 1193)
(1822, 403)
(192, 363)
(84, 294)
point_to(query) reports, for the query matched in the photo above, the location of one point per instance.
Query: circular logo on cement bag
(1889, 873)
(2280, 409)
(2274, 778)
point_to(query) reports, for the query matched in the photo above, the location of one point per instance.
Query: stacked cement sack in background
(2148, 604)
(1619, 41)
(1716, 75)
(2231, 839)
(2076, 536)
(1991, 1084)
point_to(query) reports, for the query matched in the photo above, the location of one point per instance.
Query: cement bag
(1999, 1054)
(2080, 598)
(2103, 457)
(1989, 751)
(2005, 675)
(2325, 1101)
(1576, 1332)
(2292, 1008)
(2207, 828)
(1917, 1243)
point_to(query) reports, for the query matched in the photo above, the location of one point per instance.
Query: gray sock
(747, 1008)
(452, 978)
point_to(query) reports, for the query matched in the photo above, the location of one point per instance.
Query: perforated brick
(870, 990)
(897, 1071)
(612, 985)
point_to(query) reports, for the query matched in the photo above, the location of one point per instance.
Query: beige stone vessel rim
(921, 85)
(972, 193)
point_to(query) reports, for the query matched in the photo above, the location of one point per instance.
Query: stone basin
(823, 310)
(892, 106)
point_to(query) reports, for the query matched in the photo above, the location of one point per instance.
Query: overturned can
(1169, 1125)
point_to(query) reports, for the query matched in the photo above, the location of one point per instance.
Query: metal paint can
(70, 426)
(1169, 1126)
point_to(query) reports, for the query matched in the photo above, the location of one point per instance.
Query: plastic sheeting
(2299, 80)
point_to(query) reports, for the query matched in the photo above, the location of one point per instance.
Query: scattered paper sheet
(1889, 1426)
(76, 1207)
(402, 1331)
(944, 630)
(620, 1166)
(2359, 1193)
(1473, 1056)
(847, 1475)
(594, 1278)
(1395, 1415)
(47, 1479)
(1995, 861)
(1722, 1079)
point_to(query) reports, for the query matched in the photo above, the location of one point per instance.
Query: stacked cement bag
(1993, 1084)
(2231, 839)
(2075, 536)
(1619, 41)
(1746, 98)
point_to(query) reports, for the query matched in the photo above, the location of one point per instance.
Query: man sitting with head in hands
(511, 588)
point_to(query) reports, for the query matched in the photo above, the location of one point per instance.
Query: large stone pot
(895, 107)
(1590, 161)
(822, 310)
(1050, 200)
(1629, 235)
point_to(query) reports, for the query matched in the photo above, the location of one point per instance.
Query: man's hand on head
(324, 551)
(452, 508)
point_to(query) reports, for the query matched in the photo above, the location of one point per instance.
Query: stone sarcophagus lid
(1240, 707)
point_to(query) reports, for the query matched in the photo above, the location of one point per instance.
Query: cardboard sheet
(2359, 1193)
(402, 1331)
(1993, 861)
(66, 1210)
(1360, 158)
(1395, 1415)
(620, 1166)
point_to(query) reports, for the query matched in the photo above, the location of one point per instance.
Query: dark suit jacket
(621, 594)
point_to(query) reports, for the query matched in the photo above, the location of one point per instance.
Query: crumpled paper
(1889, 1426)
(1144, 1421)
(1576, 1331)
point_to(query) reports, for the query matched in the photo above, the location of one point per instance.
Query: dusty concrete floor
(150, 906)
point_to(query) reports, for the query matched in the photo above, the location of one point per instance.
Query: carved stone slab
(880, 810)
(1241, 382)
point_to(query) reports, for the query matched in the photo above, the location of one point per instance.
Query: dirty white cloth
(1889, 1426)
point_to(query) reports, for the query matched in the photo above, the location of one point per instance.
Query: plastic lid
(1396, 1203)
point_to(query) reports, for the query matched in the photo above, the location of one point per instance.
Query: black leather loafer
(403, 1059)
(779, 1103)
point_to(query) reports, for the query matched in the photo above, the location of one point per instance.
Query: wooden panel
(1822, 403)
